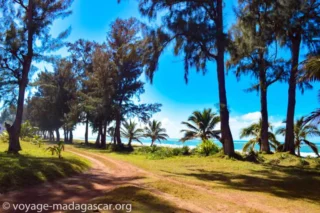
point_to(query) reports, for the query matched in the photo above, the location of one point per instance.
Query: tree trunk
(114, 139)
(86, 141)
(58, 135)
(299, 150)
(14, 130)
(52, 133)
(99, 136)
(103, 137)
(66, 133)
(129, 142)
(117, 129)
(152, 142)
(70, 136)
(50, 136)
(226, 136)
(289, 137)
(264, 112)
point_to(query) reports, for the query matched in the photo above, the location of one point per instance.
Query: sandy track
(93, 183)
(254, 204)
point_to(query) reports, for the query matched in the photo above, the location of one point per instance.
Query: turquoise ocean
(238, 144)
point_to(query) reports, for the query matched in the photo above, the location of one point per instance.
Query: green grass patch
(35, 165)
(278, 180)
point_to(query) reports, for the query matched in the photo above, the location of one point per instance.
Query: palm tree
(111, 133)
(312, 68)
(302, 130)
(312, 73)
(131, 131)
(255, 131)
(201, 125)
(154, 131)
(314, 116)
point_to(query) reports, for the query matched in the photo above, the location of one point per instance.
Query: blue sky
(91, 20)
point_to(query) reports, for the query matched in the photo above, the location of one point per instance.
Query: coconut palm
(131, 131)
(254, 130)
(201, 125)
(302, 130)
(314, 117)
(312, 68)
(111, 133)
(312, 73)
(154, 131)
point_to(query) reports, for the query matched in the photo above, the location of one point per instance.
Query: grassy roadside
(281, 182)
(35, 165)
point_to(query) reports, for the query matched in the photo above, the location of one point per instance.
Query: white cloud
(173, 127)
(242, 121)
(251, 116)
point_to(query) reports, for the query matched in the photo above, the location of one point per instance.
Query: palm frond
(249, 145)
(313, 146)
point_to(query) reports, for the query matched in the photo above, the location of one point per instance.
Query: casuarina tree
(25, 37)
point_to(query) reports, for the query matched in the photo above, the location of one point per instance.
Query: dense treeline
(95, 86)
(99, 84)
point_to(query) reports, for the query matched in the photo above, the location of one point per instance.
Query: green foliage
(131, 131)
(201, 125)
(176, 151)
(37, 140)
(60, 87)
(4, 137)
(302, 131)
(185, 150)
(161, 153)
(155, 132)
(25, 38)
(57, 149)
(153, 149)
(254, 130)
(145, 149)
(155, 152)
(207, 147)
(27, 130)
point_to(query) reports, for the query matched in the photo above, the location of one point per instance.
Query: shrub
(207, 147)
(57, 149)
(161, 153)
(37, 140)
(153, 149)
(176, 151)
(27, 130)
(185, 150)
(143, 150)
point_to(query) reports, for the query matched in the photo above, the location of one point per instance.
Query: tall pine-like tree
(253, 52)
(196, 29)
(25, 37)
(297, 24)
